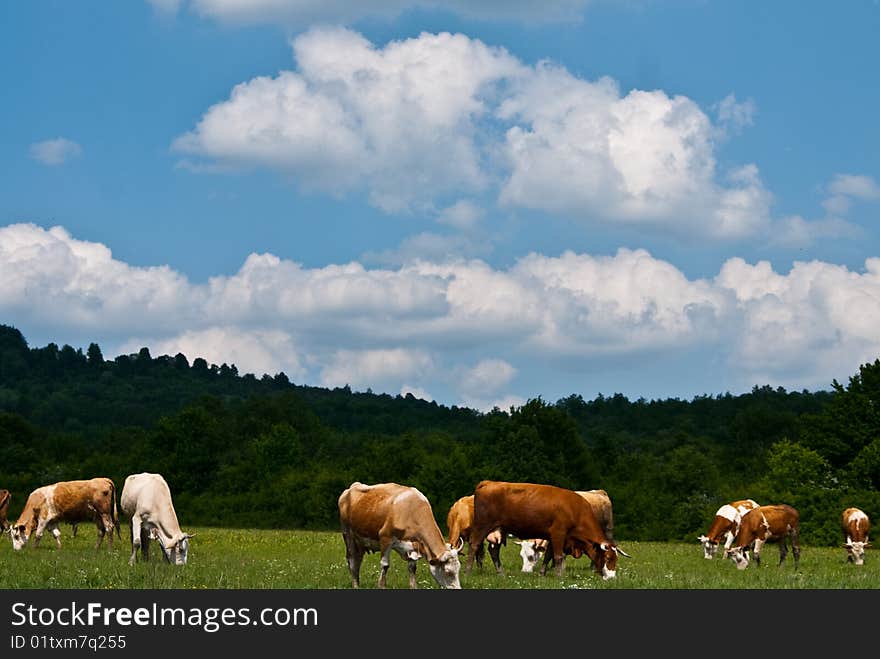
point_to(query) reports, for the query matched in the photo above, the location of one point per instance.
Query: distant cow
(5, 496)
(855, 530)
(534, 510)
(775, 523)
(725, 525)
(390, 516)
(68, 501)
(146, 500)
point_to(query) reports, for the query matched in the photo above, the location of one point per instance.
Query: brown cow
(855, 530)
(556, 514)
(725, 525)
(5, 496)
(776, 523)
(530, 550)
(68, 501)
(389, 516)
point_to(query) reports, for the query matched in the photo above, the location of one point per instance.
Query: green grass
(282, 559)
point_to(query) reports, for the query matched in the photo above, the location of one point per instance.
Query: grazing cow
(855, 529)
(776, 523)
(5, 496)
(68, 501)
(389, 516)
(533, 510)
(146, 500)
(530, 550)
(725, 525)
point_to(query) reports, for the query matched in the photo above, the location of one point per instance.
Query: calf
(855, 530)
(68, 501)
(777, 523)
(389, 516)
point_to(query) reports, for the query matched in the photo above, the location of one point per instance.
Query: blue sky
(478, 203)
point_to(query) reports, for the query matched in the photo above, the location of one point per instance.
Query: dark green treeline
(242, 451)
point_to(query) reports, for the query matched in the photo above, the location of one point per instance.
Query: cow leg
(477, 537)
(548, 556)
(354, 554)
(756, 551)
(107, 523)
(57, 533)
(495, 553)
(411, 566)
(783, 550)
(481, 553)
(795, 548)
(99, 524)
(135, 530)
(385, 561)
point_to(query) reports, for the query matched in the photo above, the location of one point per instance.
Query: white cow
(146, 499)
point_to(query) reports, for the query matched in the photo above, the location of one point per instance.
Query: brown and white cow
(775, 523)
(856, 526)
(5, 497)
(531, 550)
(725, 525)
(389, 516)
(555, 514)
(68, 501)
(146, 500)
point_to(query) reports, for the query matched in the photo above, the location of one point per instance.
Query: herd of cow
(145, 500)
(386, 517)
(544, 519)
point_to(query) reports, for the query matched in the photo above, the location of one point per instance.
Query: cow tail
(115, 510)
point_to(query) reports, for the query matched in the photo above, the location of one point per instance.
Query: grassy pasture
(285, 559)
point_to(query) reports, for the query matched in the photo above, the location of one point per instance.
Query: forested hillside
(264, 452)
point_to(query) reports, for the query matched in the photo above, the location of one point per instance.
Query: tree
(94, 355)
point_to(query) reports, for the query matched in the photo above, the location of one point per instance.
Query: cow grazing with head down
(775, 523)
(68, 501)
(389, 516)
(855, 531)
(534, 510)
(531, 550)
(725, 525)
(146, 500)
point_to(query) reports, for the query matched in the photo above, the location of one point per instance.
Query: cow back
(460, 519)
(780, 518)
(366, 509)
(856, 524)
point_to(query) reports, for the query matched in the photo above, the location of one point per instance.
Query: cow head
(445, 567)
(19, 534)
(530, 552)
(739, 556)
(856, 551)
(603, 556)
(177, 550)
(710, 547)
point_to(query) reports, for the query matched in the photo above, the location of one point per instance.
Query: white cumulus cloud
(458, 326)
(55, 151)
(422, 123)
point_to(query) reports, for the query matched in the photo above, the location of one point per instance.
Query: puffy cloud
(734, 114)
(365, 368)
(428, 119)
(845, 187)
(306, 12)
(400, 120)
(56, 151)
(432, 326)
(798, 329)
